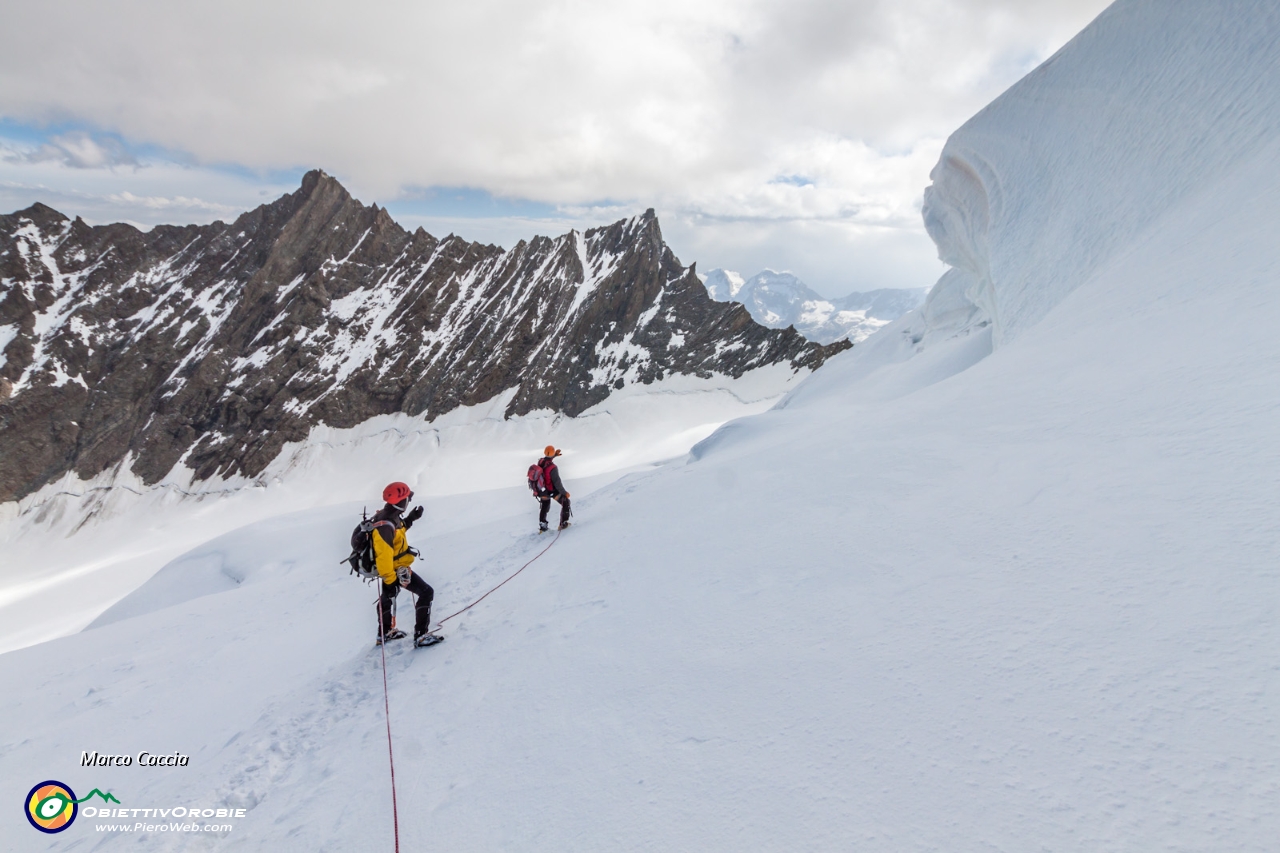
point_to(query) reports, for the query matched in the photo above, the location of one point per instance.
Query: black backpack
(361, 559)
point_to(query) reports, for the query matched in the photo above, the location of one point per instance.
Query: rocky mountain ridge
(212, 346)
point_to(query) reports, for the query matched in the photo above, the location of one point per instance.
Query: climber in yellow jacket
(392, 558)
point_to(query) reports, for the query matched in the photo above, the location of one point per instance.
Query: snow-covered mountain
(780, 299)
(211, 347)
(313, 349)
(1004, 577)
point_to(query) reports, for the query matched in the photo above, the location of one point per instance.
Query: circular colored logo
(51, 806)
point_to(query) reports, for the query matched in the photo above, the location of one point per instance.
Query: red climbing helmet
(397, 493)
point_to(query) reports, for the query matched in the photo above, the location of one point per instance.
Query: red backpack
(540, 479)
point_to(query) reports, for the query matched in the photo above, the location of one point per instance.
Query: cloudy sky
(792, 134)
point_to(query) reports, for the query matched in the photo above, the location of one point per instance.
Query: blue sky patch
(468, 203)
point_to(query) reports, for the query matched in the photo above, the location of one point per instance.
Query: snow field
(1030, 604)
(1140, 111)
(1016, 590)
(114, 532)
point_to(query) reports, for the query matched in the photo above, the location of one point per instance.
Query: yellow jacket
(389, 557)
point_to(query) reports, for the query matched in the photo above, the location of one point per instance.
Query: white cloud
(696, 108)
(81, 150)
(183, 203)
(100, 196)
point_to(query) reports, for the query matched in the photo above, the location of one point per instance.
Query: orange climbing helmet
(397, 493)
(550, 451)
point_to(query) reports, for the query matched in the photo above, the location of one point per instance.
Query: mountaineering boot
(393, 634)
(423, 640)
(542, 527)
(564, 524)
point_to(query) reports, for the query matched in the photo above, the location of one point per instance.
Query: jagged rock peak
(212, 346)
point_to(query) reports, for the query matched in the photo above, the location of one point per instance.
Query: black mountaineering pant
(418, 587)
(546, 506)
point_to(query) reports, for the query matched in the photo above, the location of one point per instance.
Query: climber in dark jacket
(552, 488)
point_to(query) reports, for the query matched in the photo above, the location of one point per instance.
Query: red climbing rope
(499, 586)
(386, 701)
(386, 704)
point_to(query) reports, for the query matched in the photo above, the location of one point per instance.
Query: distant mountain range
(779, 300)
(213, 346)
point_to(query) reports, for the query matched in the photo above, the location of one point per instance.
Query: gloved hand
(405, 574)
(414, 515)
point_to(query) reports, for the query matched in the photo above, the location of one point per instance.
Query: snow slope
(80, 546)
(1026, 213)
(1001, 581)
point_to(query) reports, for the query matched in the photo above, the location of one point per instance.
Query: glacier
(1003, 577)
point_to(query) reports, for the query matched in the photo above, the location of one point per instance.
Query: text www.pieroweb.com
(191, 821)
(163, 827)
